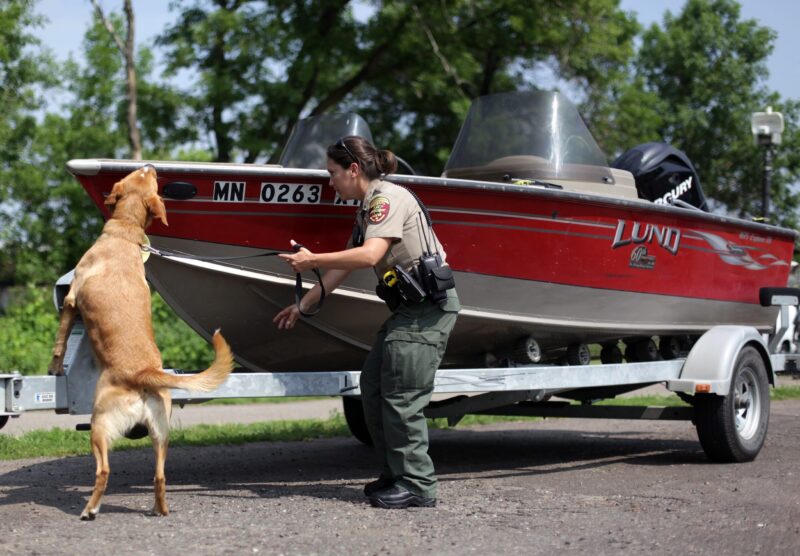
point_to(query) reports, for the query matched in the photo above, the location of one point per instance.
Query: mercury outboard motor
(663, 174)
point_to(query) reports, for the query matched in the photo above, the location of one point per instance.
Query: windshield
(526, 135)
(310, 138)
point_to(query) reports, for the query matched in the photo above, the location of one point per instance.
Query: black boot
(379, 484)
(396, 497)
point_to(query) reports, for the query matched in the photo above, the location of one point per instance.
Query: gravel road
(573, 486)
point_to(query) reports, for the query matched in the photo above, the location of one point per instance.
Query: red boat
(552, 248)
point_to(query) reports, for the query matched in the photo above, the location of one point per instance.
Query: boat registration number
(291, 193)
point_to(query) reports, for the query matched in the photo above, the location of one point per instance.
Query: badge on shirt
(378, 210)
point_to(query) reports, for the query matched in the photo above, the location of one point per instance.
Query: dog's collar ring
(145, 248)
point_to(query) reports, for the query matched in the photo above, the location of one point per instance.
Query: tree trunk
(127, 51)
(134, 138)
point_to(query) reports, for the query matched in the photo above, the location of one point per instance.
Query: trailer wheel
(354, 416)
(3, 420)
(611, 354)
(642, 351)
(669, 347)
(578, 354)
(733, 428)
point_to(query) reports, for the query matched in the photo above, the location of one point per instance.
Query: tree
(47, 219)
(456, 51)
(706, 68)
(411, 67)
(126, 49)
(25, 71)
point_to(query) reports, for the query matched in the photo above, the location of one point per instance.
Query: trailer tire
(733, 428)
(611, 354)
(354, 416)
(3, 420)
(578, 354)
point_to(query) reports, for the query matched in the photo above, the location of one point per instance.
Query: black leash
(298, 287)
(298, 282)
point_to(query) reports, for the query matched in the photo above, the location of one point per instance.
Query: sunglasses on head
(341, 143)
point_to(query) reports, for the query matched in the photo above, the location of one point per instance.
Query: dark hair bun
(386, 162)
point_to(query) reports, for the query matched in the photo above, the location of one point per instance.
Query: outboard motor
(663, 174)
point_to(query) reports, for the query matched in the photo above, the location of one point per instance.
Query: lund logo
(666, 237)
(228, 191)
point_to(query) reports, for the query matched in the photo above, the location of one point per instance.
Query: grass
(62, 442)
(785, 393)
(283, 399)
(670, 400)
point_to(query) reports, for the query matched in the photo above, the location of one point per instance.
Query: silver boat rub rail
(91, 167)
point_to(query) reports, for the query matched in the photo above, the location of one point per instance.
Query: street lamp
(767, 128)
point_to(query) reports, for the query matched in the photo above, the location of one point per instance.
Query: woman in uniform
(392, 234)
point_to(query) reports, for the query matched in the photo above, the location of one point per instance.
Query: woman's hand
(287, 318)
(301, 261)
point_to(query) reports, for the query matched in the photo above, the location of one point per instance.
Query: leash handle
(298, 288)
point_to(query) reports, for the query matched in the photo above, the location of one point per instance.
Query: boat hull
(529, 262)
(242, 298)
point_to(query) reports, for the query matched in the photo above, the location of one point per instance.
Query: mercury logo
(679, 190)
(666, 237)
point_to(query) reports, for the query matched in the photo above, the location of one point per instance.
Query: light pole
(767, 128)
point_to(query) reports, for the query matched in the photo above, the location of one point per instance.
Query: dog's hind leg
(160, 407)
(68, 314)
(100, 445)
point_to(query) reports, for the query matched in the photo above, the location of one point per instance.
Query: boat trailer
(725, 379)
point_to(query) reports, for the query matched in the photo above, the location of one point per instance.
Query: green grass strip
(276, 399)
(785, 393)
(64, 442)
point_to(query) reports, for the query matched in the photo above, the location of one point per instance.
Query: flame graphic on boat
(738, 255)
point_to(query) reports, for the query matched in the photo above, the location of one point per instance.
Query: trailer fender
(710, 363)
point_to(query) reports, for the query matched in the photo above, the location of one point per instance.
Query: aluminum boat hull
(559, 266)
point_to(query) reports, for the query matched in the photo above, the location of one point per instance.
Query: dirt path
(576, 486)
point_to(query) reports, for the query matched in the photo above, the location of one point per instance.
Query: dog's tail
(208, 380)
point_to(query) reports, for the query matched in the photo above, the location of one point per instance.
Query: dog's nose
(148, 168)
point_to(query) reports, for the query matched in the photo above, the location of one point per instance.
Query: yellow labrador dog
(113, 298)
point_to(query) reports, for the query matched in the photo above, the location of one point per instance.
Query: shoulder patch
(378, 209)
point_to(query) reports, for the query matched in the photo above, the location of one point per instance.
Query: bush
(28, 330)
(181, 347)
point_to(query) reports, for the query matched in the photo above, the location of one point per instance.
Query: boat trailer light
(702, 388)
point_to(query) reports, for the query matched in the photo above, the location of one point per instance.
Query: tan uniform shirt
(390, 211)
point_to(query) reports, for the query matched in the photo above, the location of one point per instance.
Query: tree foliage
(694, 83)
(47, 220)
(707, 66)
(411, 68)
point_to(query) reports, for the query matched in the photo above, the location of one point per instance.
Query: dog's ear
(157, 209)
(113, 197)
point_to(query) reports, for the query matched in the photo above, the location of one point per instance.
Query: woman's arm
(288, 317)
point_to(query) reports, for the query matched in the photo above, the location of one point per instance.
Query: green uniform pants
(396, 385)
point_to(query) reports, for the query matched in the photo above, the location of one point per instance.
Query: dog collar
(145, 248)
